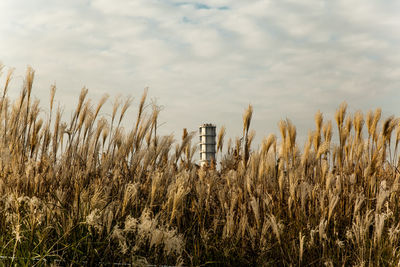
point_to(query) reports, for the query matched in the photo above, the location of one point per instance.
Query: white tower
(207, 143)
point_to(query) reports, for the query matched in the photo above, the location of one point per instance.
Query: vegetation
(89, 192)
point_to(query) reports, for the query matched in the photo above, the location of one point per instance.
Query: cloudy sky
(205, 61)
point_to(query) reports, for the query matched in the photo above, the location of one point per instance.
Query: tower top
(207, 125)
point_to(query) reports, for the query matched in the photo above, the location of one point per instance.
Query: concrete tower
(207, 143)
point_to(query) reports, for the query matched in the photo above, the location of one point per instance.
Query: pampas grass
(91, 192)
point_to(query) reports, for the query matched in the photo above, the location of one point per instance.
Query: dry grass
(89, 191)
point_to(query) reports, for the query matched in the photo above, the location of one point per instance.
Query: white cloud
(206, 60)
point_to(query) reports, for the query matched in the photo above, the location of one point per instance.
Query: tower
(207, 134)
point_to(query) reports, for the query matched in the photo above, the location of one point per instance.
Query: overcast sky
(205, 61)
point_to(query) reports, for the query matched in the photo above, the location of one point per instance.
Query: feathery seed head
(247, 119)
(318, 120)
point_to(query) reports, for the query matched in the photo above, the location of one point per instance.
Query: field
(89, 192)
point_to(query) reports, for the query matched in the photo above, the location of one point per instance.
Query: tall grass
(89, 192)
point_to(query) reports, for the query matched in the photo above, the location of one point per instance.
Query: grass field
(89, 192)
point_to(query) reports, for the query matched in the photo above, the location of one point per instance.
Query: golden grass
(90, 192)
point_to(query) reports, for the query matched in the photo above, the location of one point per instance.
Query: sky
(206, 61)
